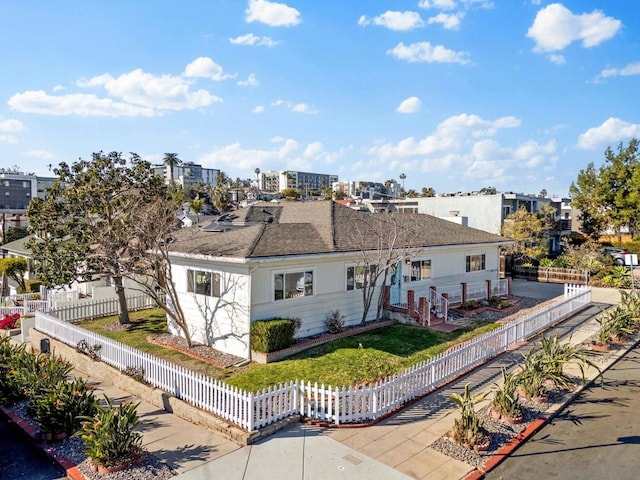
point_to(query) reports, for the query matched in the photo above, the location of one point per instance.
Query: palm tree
(196, 207)
(171, 160)
(402, 177)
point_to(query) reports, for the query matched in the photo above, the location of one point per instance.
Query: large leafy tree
(528, 231)
(616, 186)
(14, 268)
(84, 227)
(585, 195)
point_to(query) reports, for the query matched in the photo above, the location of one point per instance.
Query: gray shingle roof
(304, 228)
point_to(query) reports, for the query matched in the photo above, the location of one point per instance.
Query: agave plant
(555, 355)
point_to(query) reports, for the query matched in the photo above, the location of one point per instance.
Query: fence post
(464, 292)
(422, 309)
(489, 291)
(411, 298)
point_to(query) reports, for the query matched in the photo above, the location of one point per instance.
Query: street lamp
(402, 177)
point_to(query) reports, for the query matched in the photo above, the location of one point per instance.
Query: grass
(347, 361)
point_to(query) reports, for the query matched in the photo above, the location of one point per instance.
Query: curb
(70, 469)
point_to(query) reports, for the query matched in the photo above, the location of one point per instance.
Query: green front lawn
(351, 360)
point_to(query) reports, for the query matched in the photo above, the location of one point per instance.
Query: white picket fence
(252, 411)
(88, 308)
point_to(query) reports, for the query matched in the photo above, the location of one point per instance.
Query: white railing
(252, 411)
(454, 292)
(86, 309)
(500, 288)
(477, 291)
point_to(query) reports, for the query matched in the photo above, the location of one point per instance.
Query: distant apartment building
(361, 189)
(188, 174)
(306, 183)
(16, 191)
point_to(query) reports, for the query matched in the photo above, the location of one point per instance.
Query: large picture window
(420, 270)
(356, 276)
(475, 263)
(292, 285)
(203, 283)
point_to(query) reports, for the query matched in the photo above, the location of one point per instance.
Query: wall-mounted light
(407, 261)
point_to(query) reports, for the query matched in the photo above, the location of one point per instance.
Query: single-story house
(304, 260)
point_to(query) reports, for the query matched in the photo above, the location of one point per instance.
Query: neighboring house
(301, 259)
(18, 248)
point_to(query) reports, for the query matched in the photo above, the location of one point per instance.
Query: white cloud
(295, 107)
(557, 59)
(204, 67)
(165, 92)
(37, 101)
(59, 88)
(313, 149)
(556, 27)
(451, 4)
(448, 21)
(251, 81)
(450, 137)
(11, 125)
(626, 71)
(272, 13)
(410, 105)
(41, 154)
(398, 21)
(253, 40)
(612, 130)
(258, 109)
(425, 52)
(441, 4)
(286, 154)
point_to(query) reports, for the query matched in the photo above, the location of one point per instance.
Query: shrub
(109, 436)
(272, 335)
(58, 409)
(334, 322)
(137, 373)
(11, 356)
(9, 321)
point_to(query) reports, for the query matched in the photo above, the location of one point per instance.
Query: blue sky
(457, 94)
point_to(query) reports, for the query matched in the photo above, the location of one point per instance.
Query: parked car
(617, 254)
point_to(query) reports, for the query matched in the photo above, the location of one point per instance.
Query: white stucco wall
(483, 212)
(221, 322)
(247, 293)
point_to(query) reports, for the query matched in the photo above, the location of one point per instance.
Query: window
(356, 276)
(203, 283)
(292, 285)
(475, 263)
(420, 270)
(26, 184)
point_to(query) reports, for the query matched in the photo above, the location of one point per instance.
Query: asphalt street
(595, 437)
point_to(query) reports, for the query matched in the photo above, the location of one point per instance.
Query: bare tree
(383, 240)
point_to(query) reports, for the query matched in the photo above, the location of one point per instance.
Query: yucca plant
(468, 429)
(505, 398)
(555, 355)
(531, 375)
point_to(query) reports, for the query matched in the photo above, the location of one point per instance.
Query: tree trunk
(123, 316)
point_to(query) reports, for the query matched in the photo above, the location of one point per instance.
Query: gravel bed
(72, 448)
(500, 432)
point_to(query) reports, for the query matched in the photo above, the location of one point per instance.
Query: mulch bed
(199, 351)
